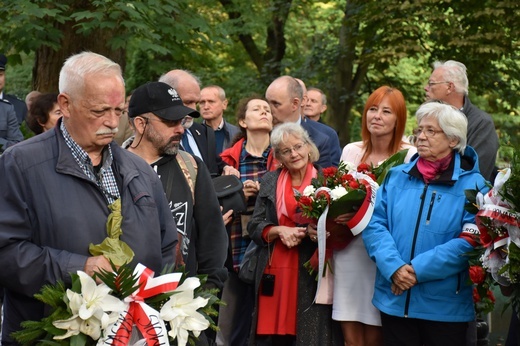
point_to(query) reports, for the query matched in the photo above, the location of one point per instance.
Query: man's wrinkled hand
(95, 265)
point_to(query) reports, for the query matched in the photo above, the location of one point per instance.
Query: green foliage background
(347, 48)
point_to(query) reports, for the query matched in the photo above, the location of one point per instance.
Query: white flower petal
(309, 191)
(338, 192)
(190, 284)
(72, 325)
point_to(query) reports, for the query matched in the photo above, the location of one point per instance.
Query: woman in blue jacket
(420, 232)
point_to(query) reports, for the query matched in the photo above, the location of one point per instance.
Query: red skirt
(277, 313)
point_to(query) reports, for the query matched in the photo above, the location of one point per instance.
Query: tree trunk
(350, 72)
(268, 64)
(48, 61)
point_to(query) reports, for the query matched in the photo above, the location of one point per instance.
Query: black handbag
(247, 271)
(229, 193)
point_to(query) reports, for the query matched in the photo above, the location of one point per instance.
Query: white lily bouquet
(127, 308)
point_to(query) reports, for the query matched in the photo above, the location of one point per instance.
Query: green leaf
(394, 160)
(347, 203)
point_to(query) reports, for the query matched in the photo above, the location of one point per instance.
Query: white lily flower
(181, 312)
(72, 325)
(309, 191)
(338, 192)
(97, 299)
(89, 309)
(76, 325)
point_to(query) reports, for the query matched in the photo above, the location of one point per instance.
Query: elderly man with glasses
(449, 83)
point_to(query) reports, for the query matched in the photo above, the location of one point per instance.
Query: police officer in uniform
(9, 122)
(19, 106)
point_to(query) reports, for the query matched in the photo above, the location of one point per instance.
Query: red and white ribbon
(360, 221)
(139, 314)
(357, 224)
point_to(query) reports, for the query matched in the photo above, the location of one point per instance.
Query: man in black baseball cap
(160, 99)
(158, 114)
(19, 106)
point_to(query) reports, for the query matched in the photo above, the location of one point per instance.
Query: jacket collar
(460, 165)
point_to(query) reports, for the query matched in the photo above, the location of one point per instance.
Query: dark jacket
(205, 239)
(482, 136)
(204, 136)
(51, 212)
(314, 321)
(19, 107)
(9, 128)
(230, 131)
(327, 141)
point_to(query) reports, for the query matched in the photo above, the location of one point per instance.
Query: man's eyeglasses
(288, 151)
(430, 83)
(170, 123)
(429, 132)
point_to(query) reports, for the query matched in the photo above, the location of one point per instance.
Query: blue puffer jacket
(422, 225)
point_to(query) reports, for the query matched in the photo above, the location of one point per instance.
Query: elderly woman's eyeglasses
(287, 152)
(428, 132)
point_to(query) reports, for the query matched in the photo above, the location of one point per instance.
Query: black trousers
(400, 331)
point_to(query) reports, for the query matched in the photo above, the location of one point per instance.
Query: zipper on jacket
(412, 254)
(432, 201)
(458, 284)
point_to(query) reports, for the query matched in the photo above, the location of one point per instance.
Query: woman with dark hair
(44, 113)
(252, 156)
(382, 129)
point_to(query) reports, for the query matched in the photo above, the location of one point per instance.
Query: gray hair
(220, 90)
(453, 122)
(76, 67)
(323, 96)
(173, 77)
(282, 131)
(455, 72)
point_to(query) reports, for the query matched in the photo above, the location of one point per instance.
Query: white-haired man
(57, 188)
(449, 83)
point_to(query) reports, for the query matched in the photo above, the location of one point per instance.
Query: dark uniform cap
(3, 62)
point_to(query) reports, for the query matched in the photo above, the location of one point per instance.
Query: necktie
(186, 144)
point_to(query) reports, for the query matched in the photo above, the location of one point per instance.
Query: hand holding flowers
(128, 306)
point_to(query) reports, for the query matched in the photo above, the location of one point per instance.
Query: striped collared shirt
(105, 179)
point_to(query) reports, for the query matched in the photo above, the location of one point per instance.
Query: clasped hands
(403, 279)
(292, 236)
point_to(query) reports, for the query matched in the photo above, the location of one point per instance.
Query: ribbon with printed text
(139, 314)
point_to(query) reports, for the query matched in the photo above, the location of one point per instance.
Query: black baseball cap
(3, 62)
(160, 99)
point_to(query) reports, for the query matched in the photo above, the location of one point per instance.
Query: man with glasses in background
(449, 83)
